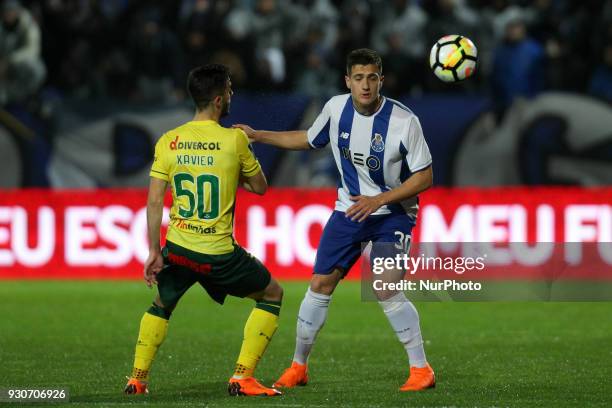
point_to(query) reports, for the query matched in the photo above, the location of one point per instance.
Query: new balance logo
(345, 135)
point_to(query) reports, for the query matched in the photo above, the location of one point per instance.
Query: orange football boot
(135, 386)
(419, 379)
(297, 374)
(250, 387)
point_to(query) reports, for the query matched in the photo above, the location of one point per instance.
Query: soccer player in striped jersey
(203, 163)
(384, 162)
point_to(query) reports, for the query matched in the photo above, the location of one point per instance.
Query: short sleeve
(249, 166)
(318, 134)
(418, 156)
(160, 168)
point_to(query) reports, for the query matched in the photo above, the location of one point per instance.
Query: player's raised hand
(246, 129)
(363, 207)
(153, 265)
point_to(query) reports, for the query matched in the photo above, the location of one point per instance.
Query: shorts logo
(193, 265)
(344, 135)
(378, 145)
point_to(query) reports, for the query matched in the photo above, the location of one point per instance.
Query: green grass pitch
(81, 335)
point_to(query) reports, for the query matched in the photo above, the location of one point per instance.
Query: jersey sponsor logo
(176, 144)
(358, 158)
(345, 135)
(198, 229)
(371, 162)
(378, 144)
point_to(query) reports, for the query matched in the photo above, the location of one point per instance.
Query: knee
(273, 292)
(158, 309)
(325, 284)
(318, 286)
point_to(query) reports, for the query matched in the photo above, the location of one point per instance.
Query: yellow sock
(258, 331)
(152, 333)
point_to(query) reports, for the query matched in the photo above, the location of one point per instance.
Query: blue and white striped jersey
(373, 153)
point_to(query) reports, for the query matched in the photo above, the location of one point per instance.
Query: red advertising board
(93, 234)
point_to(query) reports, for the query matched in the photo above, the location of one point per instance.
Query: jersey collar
(204, 122)
(384, 100)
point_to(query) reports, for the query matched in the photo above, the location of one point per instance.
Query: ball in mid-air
(453, 58)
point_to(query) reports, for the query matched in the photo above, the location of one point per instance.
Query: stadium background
(87, 87)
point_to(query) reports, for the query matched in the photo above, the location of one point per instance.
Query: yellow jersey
(202, 161)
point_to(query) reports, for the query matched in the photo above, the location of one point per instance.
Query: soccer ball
(453, 58)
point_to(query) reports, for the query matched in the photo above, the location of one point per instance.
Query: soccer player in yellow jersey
(203, 163)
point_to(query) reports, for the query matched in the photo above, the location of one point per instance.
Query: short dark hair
(363, 56)
(206, 82)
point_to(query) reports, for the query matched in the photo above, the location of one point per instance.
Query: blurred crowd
(141, 50)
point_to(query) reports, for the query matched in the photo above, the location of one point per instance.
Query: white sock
(404, 319)
(311, 318)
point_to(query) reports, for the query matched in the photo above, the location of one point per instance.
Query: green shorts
(237, 273)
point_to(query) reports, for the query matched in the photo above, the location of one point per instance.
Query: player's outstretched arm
(366, 205)
(292, 140)
(155, 210)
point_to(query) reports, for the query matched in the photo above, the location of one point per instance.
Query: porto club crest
(378, 144)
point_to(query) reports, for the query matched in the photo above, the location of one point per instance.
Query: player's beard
(225, 108)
